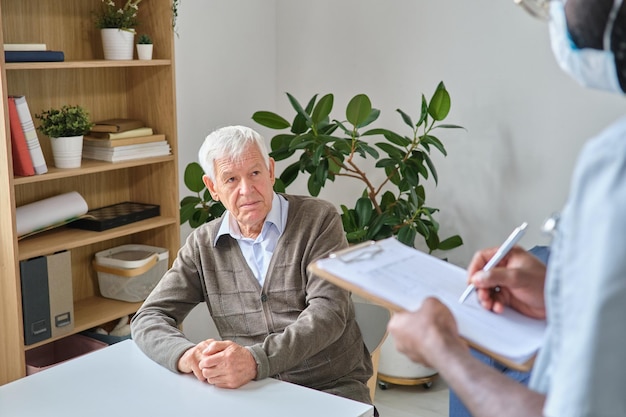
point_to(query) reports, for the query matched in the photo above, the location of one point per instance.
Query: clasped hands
(224, 364)
(423, 335)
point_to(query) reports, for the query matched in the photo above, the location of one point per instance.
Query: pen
(505, 248)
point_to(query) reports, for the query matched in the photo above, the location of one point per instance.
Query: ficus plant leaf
(325, 148)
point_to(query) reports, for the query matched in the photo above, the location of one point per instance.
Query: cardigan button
(263, 297)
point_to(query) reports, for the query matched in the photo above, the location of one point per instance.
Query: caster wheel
(427, 385)
(382, 385)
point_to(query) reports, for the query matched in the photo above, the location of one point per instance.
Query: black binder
(35, 300)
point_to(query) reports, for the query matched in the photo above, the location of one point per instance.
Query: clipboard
(399, 278)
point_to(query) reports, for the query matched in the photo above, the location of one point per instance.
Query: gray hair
(229, 142)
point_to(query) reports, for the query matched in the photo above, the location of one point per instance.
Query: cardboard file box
(59, 351)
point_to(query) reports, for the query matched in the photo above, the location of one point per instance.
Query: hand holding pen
(520, 276)
(502, 251)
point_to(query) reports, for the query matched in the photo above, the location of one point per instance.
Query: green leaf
(406, 118)
(431, 140)
(302, 120)
(407, 235)
(348, 219)
(198, 218)
(279, 186)
(363, 211)
(193, 177)
(431, 166)
(424, 112)
(440, 103)
(186, 211)
(281, 142)
(321, 173)
(449, 126)
(392, 151)
(373, 152)
(190, 201)
(271, 120)
(322, 109)
(359, 109)
(411, 175)
(450, 243)
(290, 173)
(370, 119)
(313, 186)
(357, 236)
(386, 162)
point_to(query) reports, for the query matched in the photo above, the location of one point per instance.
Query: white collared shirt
(258, 252)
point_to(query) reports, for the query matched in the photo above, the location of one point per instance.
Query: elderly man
(249, 267)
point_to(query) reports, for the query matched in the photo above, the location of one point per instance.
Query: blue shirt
(581, 364)
(258, 252)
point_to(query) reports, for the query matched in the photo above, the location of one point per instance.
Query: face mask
(592, 68)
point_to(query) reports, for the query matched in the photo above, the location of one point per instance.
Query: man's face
(245, 188)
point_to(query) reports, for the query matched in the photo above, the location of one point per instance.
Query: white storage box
(130, 272)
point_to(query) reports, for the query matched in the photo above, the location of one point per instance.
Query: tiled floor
(413, 401)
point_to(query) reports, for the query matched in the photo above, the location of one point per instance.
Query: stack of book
(31, 52)
(116, 140)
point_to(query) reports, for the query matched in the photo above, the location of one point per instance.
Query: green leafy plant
(64, 122)
(111, 15)
(144, 39)
(175, 7)
(199, 208)
(329, 149)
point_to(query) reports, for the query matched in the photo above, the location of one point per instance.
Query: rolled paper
(48, 212)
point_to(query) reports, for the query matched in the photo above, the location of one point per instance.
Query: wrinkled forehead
(241, 159)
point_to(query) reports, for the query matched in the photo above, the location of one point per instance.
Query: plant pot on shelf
(67, 151)
(144, 51)
(118, 43)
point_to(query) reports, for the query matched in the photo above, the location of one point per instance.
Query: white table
(121, 381)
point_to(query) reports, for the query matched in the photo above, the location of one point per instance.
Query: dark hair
(586, 21)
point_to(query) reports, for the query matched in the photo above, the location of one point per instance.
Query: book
(34, 147)
(128, 152)
(25, 47)
(112, 143)
(116, 125)
(22, 162)
(400, 278)
(34, 56)
(141, 131)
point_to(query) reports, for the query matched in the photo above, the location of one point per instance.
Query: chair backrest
(372, 320)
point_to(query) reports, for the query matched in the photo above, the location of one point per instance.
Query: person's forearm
(483, 390)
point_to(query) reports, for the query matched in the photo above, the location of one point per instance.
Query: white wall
(525, 119)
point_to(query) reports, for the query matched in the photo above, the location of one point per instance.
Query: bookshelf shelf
(133, 89)
(89, 166)
(86, 64)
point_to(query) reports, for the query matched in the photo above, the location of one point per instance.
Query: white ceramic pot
(117, 44)
(144, 51)
(67, 152)
(395, 364)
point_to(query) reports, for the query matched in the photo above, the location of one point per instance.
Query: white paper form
(404, 277)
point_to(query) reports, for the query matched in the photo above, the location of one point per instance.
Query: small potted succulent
(144, 47)
(65, 127)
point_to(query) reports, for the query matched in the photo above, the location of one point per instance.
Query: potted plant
(330, 149)
(144, 47)
(117, 27)
(65, 127)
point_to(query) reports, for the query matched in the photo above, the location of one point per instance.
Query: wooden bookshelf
(107, 89)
